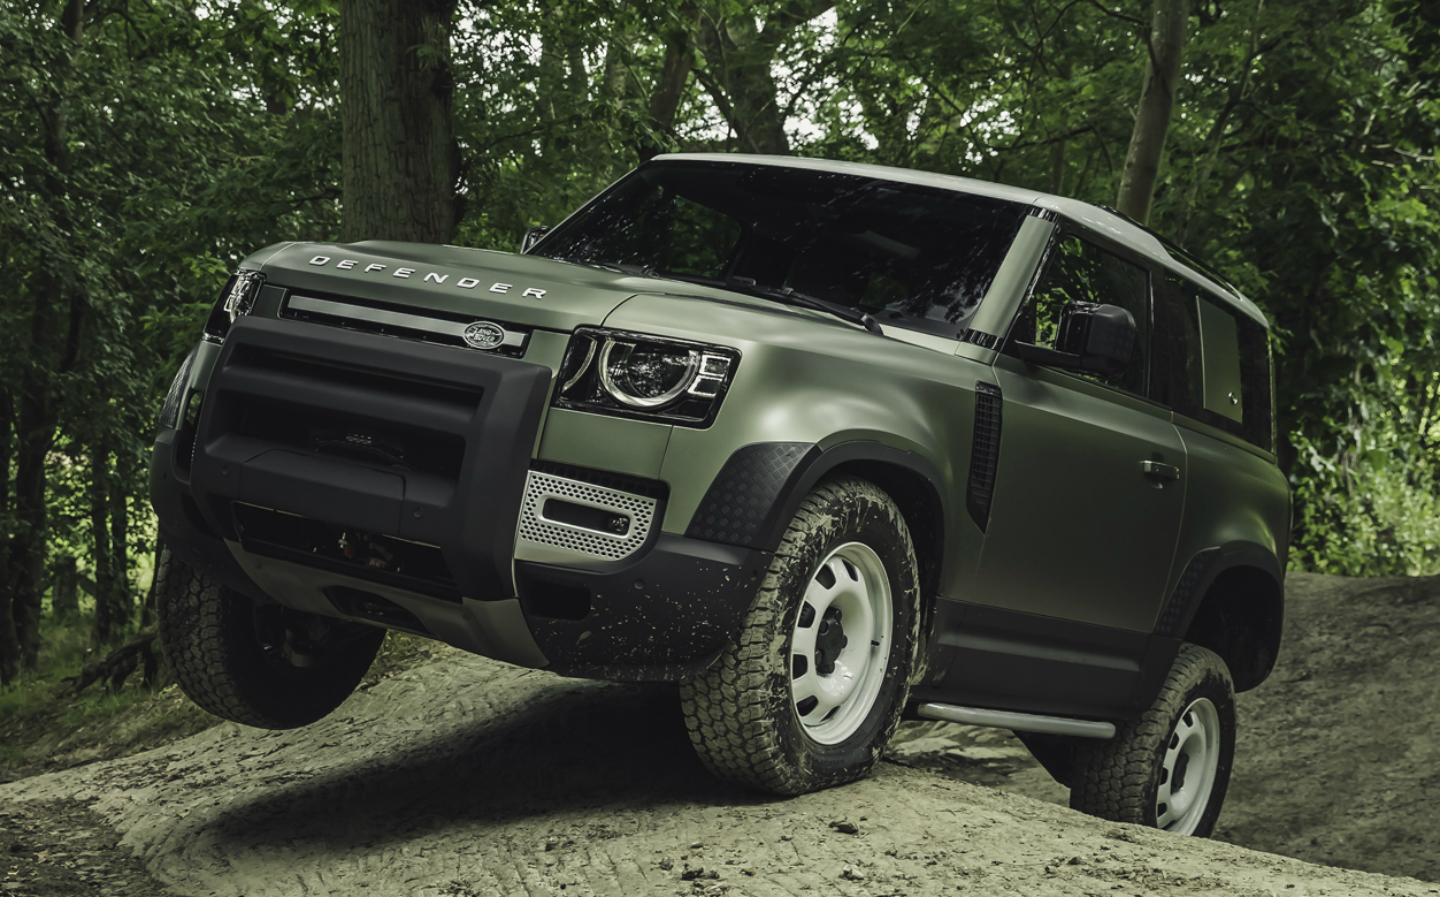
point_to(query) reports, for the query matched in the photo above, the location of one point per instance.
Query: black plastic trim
(1228, 557)
(1257, 656)
(493, 404)
(984, 453)
(660, 618)
(656, 489)
(1180, 606)
(741, 504)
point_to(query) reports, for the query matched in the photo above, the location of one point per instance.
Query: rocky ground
(467, 777)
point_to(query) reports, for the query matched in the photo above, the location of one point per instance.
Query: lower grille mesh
(543, 539)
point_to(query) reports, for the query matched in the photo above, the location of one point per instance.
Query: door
(1090, 483)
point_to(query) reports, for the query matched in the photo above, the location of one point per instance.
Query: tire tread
(1113, 779)
(731, 713)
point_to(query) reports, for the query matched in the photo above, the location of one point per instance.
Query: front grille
(351, 437)
(406, 322)
(545, 535)
(327, 373)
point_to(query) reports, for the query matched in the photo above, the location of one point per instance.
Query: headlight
(652, 378)
(235, 300)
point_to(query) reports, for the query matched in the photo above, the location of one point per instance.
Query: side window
(1257, 383)
(1211, 363)
(1079, 271)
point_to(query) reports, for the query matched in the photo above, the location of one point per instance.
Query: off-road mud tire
(741, 713)
(211, 639)
(1120, 779)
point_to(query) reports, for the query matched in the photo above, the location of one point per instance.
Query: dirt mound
(1339, 753)
(469, 777)
(1338, 759)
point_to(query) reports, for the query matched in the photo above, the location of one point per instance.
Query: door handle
(1160, 470)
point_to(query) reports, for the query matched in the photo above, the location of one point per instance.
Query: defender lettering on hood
(464, 283)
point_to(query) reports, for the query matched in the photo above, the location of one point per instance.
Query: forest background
(146, 146)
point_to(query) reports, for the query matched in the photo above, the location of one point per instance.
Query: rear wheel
(258, 664)
(810, 691)
(1170, 768)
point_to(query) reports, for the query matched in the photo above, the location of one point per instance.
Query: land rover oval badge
(484, 335)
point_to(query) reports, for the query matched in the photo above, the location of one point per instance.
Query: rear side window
(1080, 271)
(1211, 363)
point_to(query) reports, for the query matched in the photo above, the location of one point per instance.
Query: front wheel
(1170, 768)
(810, 691)
(258, 664)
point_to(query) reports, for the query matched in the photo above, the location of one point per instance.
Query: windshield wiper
(804, 300)
(617, 267)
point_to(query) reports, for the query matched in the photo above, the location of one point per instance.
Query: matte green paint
(1077, 530)
(812, 378)
(431, 277)
(1236, 496)
(609, 443)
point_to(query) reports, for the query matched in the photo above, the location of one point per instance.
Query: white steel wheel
(809, 691)
(1170, 768)
(840, 644)
(1187, 772)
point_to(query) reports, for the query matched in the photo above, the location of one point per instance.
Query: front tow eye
(829, 642)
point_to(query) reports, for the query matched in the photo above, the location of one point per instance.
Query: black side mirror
(532, 236)
(1103, 336)
(1092, 337)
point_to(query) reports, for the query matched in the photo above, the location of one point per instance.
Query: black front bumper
(377, 435)
(311, 438)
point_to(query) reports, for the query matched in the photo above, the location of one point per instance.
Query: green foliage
(103, 705)
(1376, 516)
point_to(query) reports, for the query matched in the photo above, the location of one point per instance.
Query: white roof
(1120, 229)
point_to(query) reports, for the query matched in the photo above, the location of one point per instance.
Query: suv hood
(510, 288)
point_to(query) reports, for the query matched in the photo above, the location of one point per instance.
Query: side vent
(984, 453)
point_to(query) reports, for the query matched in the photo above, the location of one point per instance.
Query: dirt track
(469, 777)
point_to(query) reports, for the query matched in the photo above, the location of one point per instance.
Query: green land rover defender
(823, 443)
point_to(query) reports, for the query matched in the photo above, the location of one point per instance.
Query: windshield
(911, 256)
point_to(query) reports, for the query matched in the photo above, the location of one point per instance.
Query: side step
(1018, 722)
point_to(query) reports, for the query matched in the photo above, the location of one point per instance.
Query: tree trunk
(58, 305)
(9, 639)
(36, 435)
(105, 624)
(147, 608)
(1165, 46)
(1238, 90)
(670, 87)
(401, 163)
(738, 58)
(123, 603)
(65, 589)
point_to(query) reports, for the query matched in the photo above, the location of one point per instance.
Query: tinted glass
(912, 256)
(1179, 367)
(1080, 271)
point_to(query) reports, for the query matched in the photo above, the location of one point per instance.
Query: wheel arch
(1236, 609)
(915, 484)
(919, 504)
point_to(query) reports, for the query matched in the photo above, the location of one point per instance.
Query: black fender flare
(760, 488)
(1202, 571)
